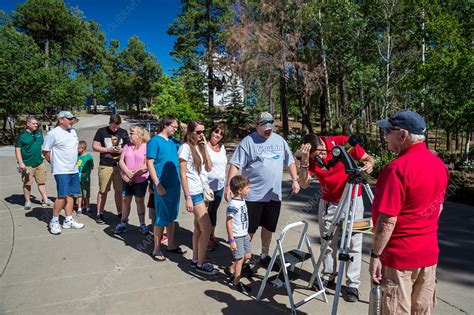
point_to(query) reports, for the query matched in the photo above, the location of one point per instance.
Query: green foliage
(173, 99)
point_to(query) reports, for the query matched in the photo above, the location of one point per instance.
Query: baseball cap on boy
(265, 120)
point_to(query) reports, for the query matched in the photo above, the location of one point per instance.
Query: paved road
(92, 271)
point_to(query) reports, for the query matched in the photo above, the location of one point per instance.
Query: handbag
(207, 192)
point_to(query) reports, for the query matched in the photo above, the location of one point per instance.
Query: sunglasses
(199, 132)
(266, 122)
(70, 119)
(174, 127)
(219, 132)
(390, 129)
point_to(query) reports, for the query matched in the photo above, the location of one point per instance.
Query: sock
(88, 209)
(55, 219)
(79, 209)
(199, 265)
(68, 218)
(263, 256)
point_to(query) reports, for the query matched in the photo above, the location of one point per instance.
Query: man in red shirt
(408, 201)
(332, 183)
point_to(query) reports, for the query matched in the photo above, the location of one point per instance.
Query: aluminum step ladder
(286, 262)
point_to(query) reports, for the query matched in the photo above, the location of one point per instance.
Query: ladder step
(279, 279)
(293, 257)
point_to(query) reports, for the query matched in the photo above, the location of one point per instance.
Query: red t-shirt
(334, 180)
(412, 188)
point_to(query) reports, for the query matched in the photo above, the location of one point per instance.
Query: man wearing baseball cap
(60, 150)
(407, 204)
(261, 157)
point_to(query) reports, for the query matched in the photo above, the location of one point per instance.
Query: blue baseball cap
(405, 119)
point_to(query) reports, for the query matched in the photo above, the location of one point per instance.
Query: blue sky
(122, 19)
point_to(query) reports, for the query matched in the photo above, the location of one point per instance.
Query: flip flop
(177, 250)
(158, 256)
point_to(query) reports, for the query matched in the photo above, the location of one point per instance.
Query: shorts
(134, 189)
(243, 247)
(86, 189)
(197, 199)
(68, 185)
(107, 176)
(38, 173)
(263, 214)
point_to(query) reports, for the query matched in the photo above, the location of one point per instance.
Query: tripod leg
(332, 230)
(345, 245)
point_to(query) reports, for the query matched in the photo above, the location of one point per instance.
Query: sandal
(177, 250)
(158, 256)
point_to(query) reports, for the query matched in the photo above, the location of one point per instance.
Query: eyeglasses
(70, 119)
(174, 127)
(199, 132)
(388, 130)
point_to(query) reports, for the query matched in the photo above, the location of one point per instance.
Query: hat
(266, 121)
(405, 119)
(65, 114)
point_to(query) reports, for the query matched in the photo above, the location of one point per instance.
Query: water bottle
(375, 299)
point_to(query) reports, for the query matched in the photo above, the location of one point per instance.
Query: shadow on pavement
(234, 306)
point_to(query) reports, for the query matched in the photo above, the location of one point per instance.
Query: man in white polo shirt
(60, 150)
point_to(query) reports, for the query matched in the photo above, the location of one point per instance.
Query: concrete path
(92, 271)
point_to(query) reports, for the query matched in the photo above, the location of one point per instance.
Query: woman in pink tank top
(134, 174)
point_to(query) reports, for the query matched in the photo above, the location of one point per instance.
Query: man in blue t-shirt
(261, 157)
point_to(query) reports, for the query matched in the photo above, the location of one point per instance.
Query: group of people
(408, 198)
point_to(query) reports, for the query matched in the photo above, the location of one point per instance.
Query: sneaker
(242, 288)
(144, 229)
(350, 294)
(207, 269)
(27, 205)
(72, 224)
(100, 219)
(246, 271)
(194, 264)
(54, 228)
(328, 284)
(121, 228)
(47, 203)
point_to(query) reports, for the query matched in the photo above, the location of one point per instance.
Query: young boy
(237, 229)
(85, 162)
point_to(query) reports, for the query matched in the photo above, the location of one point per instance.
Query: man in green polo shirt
(30, 161)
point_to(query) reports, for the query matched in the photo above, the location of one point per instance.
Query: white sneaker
(28, 205)
(47, 203)
(54, 228)
(72, 224)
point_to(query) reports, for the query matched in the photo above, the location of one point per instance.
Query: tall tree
(199, 44)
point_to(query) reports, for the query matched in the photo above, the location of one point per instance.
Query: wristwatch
(373, 255)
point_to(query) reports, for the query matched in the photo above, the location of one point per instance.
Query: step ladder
(286, 262)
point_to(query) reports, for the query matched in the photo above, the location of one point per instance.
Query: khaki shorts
(409, 291)
(107, 176)
(38, 173)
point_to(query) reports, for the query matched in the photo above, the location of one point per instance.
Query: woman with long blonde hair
(134, 172)
(194, 165)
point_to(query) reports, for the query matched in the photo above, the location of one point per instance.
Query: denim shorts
(134, 189)
(243, 247)
(68, 185)
(197, 199)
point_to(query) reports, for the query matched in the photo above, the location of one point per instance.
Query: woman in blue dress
(162, 161)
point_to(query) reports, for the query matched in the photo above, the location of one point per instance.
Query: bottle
(375, 299)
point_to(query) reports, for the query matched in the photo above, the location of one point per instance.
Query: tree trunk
(326, 83)
(283, 104)
(344, 100)
(210, 66)
(467, 144)
(322, 113)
